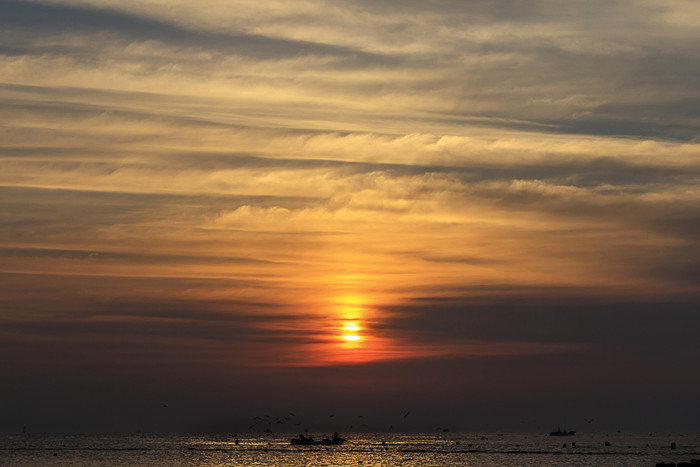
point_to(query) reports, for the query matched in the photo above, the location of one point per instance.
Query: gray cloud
(593, 318)
(35, 18)
(97, 255)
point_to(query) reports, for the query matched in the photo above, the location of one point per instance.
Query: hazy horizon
(486, 214)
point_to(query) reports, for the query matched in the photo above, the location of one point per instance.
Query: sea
(360, 449)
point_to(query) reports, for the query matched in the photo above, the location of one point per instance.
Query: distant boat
(561, 432)
(302, 440)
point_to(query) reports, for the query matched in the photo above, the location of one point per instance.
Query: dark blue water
(367, 449)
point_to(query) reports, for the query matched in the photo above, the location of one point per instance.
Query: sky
(485, 215)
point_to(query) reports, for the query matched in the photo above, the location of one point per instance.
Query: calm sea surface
(415, 449)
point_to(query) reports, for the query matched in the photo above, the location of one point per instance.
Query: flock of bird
(266, 423)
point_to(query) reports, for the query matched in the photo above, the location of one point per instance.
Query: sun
(351, 331)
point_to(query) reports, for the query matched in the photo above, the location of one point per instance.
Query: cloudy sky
(486, 213)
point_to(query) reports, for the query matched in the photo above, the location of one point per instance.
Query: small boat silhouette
(302, 440)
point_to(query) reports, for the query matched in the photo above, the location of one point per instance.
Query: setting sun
(350, 332)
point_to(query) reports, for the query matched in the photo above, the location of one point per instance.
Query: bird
(406, 414)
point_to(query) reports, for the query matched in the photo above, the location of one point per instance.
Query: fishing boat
(302, 440)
